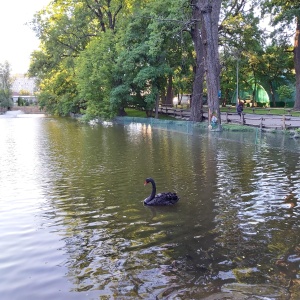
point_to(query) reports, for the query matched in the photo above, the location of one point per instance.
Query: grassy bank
(227, 127)
(264, 111)
(247, 110)
(131, 112)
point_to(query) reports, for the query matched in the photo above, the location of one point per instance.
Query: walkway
(267, 121)
(28, 109)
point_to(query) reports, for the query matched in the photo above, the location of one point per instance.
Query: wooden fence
(262, 121)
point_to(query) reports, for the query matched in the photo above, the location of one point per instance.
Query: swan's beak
(145, 183)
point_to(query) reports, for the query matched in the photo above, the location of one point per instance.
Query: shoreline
(235, 127)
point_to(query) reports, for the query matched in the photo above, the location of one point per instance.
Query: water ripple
(74, 225)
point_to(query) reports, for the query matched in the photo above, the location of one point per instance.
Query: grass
(247, 110)
(131, 112)
(264, 111)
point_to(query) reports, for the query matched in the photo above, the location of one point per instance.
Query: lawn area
(131, 112)
(264, 111)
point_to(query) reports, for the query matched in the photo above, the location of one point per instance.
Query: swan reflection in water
(291, 200)
(161, 199)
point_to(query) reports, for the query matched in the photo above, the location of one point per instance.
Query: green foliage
(142, 114)
(5, 85)
(285, 93)
(150, 50)
(94, 68)
(99, 57)
(267, 65)
(58, 93)
(241, 37)
(282, 11)
(24, 93)
(20, 101)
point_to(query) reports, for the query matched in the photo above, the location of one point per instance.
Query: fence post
(283, 122)
(243, 119)
(261, 123)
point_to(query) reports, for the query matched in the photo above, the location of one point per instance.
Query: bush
(282, 104)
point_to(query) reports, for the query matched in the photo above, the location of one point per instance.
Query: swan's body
(161, 199)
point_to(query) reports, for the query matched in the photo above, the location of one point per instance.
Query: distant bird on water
(161, 199)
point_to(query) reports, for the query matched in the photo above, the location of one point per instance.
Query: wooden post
(209, 118)
(283, 122)
(243, 119)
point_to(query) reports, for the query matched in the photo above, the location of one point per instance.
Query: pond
(73, 224)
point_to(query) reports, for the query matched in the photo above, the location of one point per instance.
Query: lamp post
(237, 54)
(237, 81)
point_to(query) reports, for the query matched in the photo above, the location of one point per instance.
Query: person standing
(240, 108)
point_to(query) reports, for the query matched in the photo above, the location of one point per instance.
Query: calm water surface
(73, 225)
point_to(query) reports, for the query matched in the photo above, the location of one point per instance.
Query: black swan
(160, 199)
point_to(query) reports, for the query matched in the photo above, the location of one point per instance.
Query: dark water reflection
(74, 226)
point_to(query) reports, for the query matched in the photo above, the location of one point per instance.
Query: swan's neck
(152, 193)
(153, 190)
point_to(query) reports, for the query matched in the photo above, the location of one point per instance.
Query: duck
(161, 199)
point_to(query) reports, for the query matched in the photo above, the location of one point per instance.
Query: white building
(21, 82)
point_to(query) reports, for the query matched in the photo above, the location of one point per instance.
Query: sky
(17, 40)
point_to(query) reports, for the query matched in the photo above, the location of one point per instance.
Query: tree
(5, 85)
(239, 38)
(285, 93)
(233, 24)
(199, 70)
(284, 13)
(141, 67)
(65, 29)
(24, 92)
(94, 68)
(58, 92)
(271, 67)
(210, 13)
(150, 56)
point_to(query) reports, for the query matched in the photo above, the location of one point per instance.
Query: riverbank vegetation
(131, 112)
(5, 85)
(98, 57)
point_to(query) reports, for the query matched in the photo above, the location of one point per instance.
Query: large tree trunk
(169, 99)
(273, 100)
(297, 64)
(210, 11)
(156, 106)
(197, 94)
